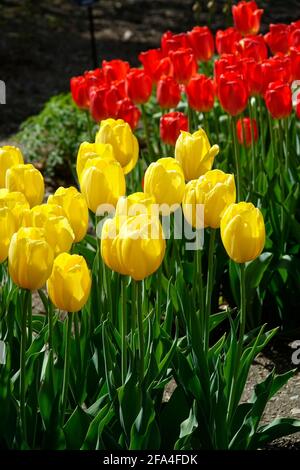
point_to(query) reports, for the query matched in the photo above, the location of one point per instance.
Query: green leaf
(278, 428)
(76, 428)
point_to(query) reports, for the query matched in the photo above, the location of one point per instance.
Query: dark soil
(43, 43)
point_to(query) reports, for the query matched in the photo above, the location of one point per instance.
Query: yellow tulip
(215, 191)
(30, 258)
(75, 208)
(70, 282)
(28, 180)
(118, 133)
(8, 228)
(51, 217)
(135, 248)
(16, 202)
(195, 153)
(135, 204)
(102, 182)
(164, 180)
(88, 151)
(9, 156)
(243, 232)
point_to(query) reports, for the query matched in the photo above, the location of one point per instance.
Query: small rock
(127, 35)
(295, 411)
(294, 397)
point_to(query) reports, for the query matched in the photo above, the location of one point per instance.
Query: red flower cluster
(243, 69)
(112, 91)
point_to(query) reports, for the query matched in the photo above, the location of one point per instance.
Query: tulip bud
(58, 231)
(233, 93)
(8, 228)
(168, 92)
(124, 143)
(225, 40)
(278, 99)
(164, 180)
(243, 232)
(253, 47)
(80, 91)
(246, 17)
(30, 258)
(278, 38)
(202, 42)
(184, 65)
(170, 126)
(216, 191)
(27, 180)
(16, 202)
(136, 248)
(129, 112)
(75, 208)
(69, 285)
(9, 156)
(135, 204)
(102, 182)
(201, 93)
(88, 151)
(244, 132)
(139, 86)
(115, 69)
(195, 154)
(156, 65)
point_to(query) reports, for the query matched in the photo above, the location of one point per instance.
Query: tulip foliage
(155, 274)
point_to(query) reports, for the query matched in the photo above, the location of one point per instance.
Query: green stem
(23, 364)
(261, 131)
(89, 126)
(206, 126)
(147, 132)
(50, 336)
(253, 157)
(209, 287)
(66, 367)
(287, 155)
(29, 317)
(124, 328)
(237, 158)
(77, 343)
(138, 290)
(158, 295)
(232, 398)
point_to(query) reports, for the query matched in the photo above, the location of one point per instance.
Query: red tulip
(155, 64)
(172, 42)
(246, 17)
(278, 38)
(224, 64)
(139, 86)
(80, 91)
(294, 36)
(295, 63)
(278, 99)
(226, 39)
(253, 75)
(201, 93)
(129, 112)
(298, 107)
(273, 69)
(104, 102)
(184, 65)
(253, 47)
(94, 77)
(233, 93)
(202, 42)
(115, 69)
(168, 92)
(170, 126)
(244, 133)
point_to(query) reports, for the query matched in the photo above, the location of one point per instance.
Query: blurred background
(45, 42)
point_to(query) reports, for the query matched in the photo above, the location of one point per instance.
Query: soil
(44, 43)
